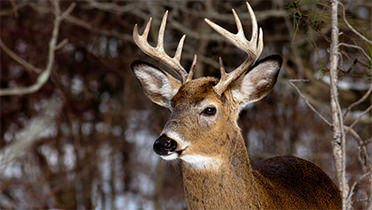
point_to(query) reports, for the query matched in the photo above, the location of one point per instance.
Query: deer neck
(228, 185)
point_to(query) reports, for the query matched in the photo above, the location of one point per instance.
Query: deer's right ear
(158, 85)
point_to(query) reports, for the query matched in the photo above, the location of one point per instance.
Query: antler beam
(158, 52)
(253, 48)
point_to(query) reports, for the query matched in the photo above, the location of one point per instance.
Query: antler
(253, 48)
(158, 52)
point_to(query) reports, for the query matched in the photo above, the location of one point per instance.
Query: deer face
(197, 116)
(200, 117)
(203, 111)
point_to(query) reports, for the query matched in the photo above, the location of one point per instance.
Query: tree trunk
(337, 119)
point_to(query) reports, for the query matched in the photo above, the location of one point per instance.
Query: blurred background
(77, 131)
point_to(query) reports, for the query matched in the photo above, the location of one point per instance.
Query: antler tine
(238, 23)
(223, 73)
(158, 52)
(160, 44)
(254, 40)
(147, 29)
(179, 48)
(253, 48)
(254, 24)
(192, 68)
(260, 44)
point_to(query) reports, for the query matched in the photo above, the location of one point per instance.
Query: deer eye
(209, 111)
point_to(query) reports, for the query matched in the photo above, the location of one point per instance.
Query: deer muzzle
(164, 145)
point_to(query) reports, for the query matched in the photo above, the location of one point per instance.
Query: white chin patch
(202, 162)
(172, 156)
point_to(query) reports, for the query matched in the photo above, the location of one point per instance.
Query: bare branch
(44, 76)
(360, 116)
(357, 182)
(14, 56)
(14, 9)
(190, 33)
(32, 132)
(61, 44)
(363, 152)
(81, 23)
(364, 97)
(291, 82)
(261, 15)
(90, 27)
(115, 8)
(351, 27)
(68, 11)
(212, 14)
(57, 9)
(356, 47)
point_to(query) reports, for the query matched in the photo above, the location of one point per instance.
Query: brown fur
(277, 183)
(297, 183)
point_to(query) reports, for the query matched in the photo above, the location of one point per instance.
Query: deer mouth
(174, 155)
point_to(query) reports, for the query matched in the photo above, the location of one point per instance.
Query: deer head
(204, 111)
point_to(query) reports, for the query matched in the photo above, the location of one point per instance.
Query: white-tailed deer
(203, 132)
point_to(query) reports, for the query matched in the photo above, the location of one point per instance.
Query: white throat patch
(202, 162)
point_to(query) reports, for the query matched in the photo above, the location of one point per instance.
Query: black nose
(163, 145)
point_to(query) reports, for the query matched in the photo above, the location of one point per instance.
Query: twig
(61, 45)
(360, 116)
(44, 76)
(363, 154)
(68, 11)
(368, 141)
(115, 8)
(18, 59)
(291, 82)
(177, 25)
(351, 192)
(243, 15)
(350, 26)
(81, 23)
(356, 47)
(73, 20)
(364, 97)
(14, 9)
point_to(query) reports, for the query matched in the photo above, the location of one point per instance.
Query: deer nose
(164, 145)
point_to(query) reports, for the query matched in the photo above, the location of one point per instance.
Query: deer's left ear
(258, 82)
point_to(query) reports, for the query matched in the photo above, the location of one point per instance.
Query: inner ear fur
(258, 82)
(158, 85)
